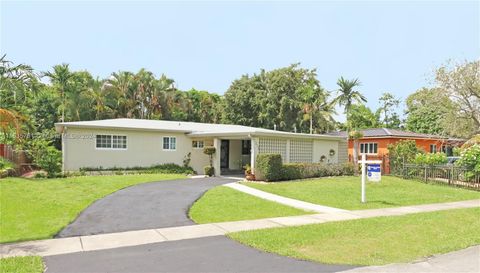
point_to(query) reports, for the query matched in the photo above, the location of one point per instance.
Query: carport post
(216, 156)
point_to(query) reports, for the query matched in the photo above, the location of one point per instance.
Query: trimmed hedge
(209, 171)
(269, 167)
(161, 168)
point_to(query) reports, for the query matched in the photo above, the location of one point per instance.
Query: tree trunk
(355, 155)
(311, 123)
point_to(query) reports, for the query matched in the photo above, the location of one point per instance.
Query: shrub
(431, 159)
(269, 167)
(209, 170)
(309, 170)
(161, 168)
(6, 167)
(470, 159)
(210, 151)
(47, 157)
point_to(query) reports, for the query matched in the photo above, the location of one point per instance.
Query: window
(433, 148)
(197, 144)
(246, 146)
(111, 142)
(368, 148)
(169, 143)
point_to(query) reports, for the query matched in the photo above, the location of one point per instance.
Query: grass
(222, 204)
(373, 241)
(344, 192)
(29, 264)
(38, 209)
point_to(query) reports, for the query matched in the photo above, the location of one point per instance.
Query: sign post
(364, 199)
(374, 167)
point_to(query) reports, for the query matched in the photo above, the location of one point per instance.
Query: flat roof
(194, 129)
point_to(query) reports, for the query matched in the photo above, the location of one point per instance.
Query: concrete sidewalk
(465, 260)
(283, 200)
(142, 237)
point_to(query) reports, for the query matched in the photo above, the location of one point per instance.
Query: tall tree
(286, 98)
(461, 81)
(347, 94)
(361, 117)
(60, 77)
(427, 110)
(387, 110)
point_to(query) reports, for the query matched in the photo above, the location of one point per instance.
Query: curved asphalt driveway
(145, 206)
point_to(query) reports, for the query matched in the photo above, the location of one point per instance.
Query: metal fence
(441, 174)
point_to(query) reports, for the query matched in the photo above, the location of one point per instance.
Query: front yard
(28, 264)
(222, 204)
(344, 192)
(39, 208)
(373, 241)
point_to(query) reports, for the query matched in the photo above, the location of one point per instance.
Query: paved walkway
(465, 260)
(283, 200)
(209, 254)
(144, 206)
(149, 236)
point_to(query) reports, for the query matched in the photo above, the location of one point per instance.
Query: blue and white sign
(374, 172)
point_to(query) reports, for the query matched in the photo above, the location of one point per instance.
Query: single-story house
(375, 141)
(142, 143)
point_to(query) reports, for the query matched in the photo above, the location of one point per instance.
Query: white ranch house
(143, 143)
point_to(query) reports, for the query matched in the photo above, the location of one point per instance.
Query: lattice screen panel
(273, 146)
(301, 151)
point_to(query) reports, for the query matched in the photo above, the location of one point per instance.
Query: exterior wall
(322, 148)
(199, 159)
(144, 149)
(290, 149)
(384, 142)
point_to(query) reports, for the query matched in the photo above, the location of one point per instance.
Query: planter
(250, 177)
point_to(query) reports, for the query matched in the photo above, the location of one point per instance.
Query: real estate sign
(374, 173)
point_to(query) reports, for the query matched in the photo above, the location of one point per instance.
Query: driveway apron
(212, 254)
(145, 206)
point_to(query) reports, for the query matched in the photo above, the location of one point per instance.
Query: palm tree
(355, 135)
(15, 78)
(60, 76)
(9, 120)
(347, 94)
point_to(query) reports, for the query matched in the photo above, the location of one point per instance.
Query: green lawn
(38, 209)
(29, 264)
(344, 192)
(222, 204)
(373, 241)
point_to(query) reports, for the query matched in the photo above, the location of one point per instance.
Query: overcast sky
(389, 46)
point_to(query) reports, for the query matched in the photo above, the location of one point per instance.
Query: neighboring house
(374, 142)
(141, 143)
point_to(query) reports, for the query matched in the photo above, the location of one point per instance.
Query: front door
(224, 152)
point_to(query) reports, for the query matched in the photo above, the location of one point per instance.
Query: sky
(390, 46)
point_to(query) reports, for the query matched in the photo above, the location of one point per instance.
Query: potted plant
(248, 173)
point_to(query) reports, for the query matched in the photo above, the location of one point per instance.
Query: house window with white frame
(169, 143)
(369, 148)
(198, 144)
(433, 148)
(115, 142)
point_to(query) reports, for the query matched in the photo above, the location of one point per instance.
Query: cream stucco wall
(144, 148)
(323, 147)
